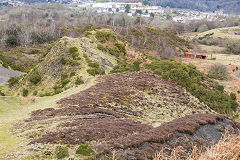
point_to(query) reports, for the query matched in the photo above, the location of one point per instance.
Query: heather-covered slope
(119, 108)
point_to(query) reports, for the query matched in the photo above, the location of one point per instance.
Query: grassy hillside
(70, 62)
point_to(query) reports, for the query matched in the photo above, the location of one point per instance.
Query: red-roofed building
(188, 55)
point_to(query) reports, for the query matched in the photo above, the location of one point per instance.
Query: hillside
(126, 118)
(69, 62)
(104, 96)
(232, 6)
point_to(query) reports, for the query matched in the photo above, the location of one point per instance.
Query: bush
(58, 90)
(233, 47)
(65, 82)
(123, 67)
(72, 74)
(12, 41)
(64, 61)
(74, 52)
(95, 71)
(35, 93)
(188, 77)
(62, 152)
(95, 68)
(85, 150)
(1, 93)
(25, 92)
(35, 78)
(13, 80)
(218, 71)
(121, 48)
(79, 81)
(104, 36)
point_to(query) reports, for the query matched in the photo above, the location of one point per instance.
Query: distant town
(135, 9)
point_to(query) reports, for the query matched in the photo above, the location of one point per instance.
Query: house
(201, 55)
(196, 55)
(188, 55)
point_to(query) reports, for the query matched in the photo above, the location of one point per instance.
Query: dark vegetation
(35, 78)
(85, 150)
(13, 81)
(195, 82)
(94, 67)
(62, 152)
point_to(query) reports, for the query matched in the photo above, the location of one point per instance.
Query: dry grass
(27, 100)
(228, 148)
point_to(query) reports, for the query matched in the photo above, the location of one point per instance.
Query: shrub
(233, 47)
(121, 48)
(85, 150)
(79, 81)
(12, 41)
(35, 93)
(45, 94)
(64, 61)
(35, 78)
(65, 82)
(74, 52)
(72, 74)
(137, 33)
(104, 36)
(13, 80)
(218, 71)
(25, 92)
(188, 77)
(95, 68)
(1, 93)
(74, 62)
(47, 153)
(64, 76)
(123, 67)
(58, 90)
(95, 71)
(62, 152)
